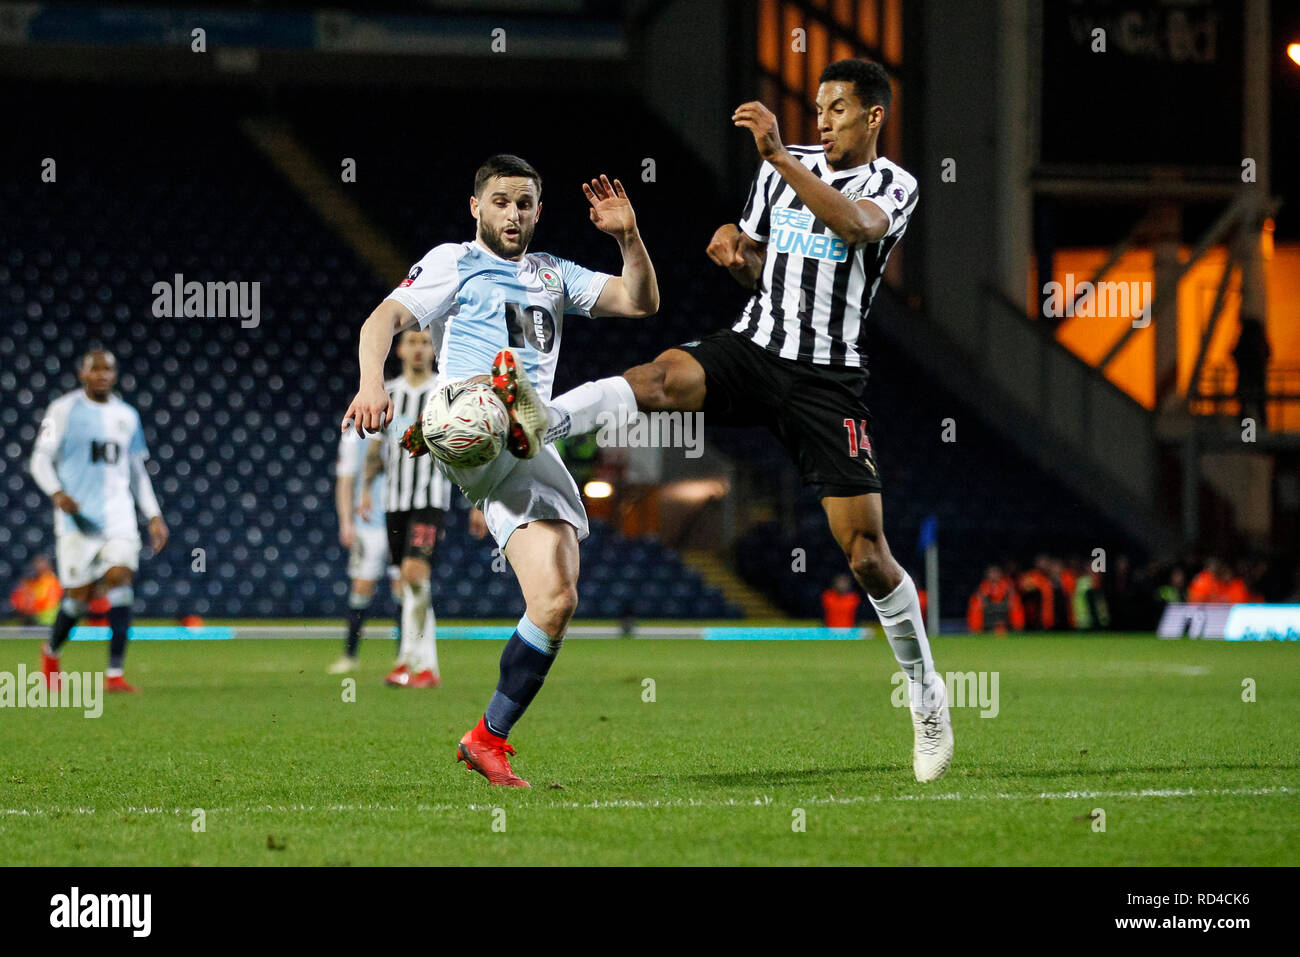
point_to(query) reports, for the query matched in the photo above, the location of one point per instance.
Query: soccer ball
(465, 424)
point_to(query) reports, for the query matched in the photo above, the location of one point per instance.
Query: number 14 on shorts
(858, 437)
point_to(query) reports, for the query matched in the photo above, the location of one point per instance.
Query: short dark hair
(89, 357)
(869, 79)
(505, 164)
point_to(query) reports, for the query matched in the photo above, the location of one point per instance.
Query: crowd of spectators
(1080, 594)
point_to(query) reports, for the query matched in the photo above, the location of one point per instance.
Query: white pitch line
(761, 801)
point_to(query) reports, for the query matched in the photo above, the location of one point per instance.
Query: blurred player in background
(417, 497)
(498, 311)
(364, 532)
(812, 243)
(90, 459)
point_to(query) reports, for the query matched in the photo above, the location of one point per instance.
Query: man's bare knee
(414, 571)
(553, 610)
(648, 383)
(873, 566)
(117, 576)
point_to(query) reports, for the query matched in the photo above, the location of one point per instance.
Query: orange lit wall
(834, 30)
(1133, 370)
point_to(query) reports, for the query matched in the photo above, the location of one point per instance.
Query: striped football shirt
(812, 298)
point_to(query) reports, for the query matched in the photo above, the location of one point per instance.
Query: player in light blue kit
(490, 298)
(90, 459)
(364, 533)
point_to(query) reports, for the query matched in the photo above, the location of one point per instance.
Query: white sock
(429, 641)
(403, 646)
(415, 604)
(590, 406)
(900, 616)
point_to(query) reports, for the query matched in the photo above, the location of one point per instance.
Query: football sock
(430, 641)
(119, 623)
(591, 405)
(415, 604)
(900, 616)
(524, 663)
(358, 605)
(69, 611)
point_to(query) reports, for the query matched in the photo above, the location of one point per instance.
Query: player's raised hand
(724, 247)
(760, 121)
(610, 209)
(158, 533)
(370, 411)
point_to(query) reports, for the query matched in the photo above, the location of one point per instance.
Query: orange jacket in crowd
(1068, 581)
(1239, 593)
(35, 596)
(1209, 588)
(996, 605)
(1035, 580)
(840, 608)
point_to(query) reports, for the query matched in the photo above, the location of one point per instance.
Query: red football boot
(399, 677)
(426, 679)
(484, 752)
(528, 415)
(50, 669)
(118, 683)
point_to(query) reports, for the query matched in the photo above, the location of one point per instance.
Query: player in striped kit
(417, 497)
(90, 459)
(497, 311)
(812, 243)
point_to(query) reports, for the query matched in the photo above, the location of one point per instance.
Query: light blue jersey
(476, 304)
(95, 453)
(352, 461)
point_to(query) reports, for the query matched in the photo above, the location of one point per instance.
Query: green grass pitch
(741, 743)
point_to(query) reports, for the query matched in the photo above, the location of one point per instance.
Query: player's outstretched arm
(374, 463)
(344, 490)
(855, 223)
(42, 464)
(147, 502)
(636, 291)
(372, 409)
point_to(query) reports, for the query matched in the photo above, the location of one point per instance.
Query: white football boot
(344, 665)
(932, 734)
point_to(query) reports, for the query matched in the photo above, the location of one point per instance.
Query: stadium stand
(241, 422)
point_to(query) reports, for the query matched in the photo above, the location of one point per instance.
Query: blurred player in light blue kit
(364, 533)
(90, 459)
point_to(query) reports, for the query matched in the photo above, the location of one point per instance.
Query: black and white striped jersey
(412, 483)
(812, 299)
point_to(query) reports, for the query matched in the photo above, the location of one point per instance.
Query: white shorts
(512, 492)
(369, 555)
(83, 559)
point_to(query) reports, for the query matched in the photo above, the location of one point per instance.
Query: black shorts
(414, 533)
(816, 411)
